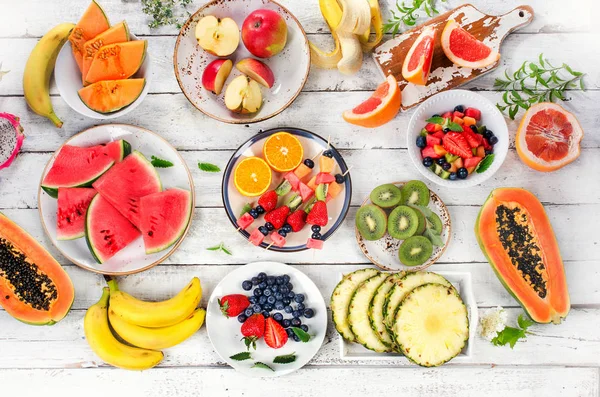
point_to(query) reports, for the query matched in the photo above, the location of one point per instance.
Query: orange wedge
(283, 152)
(380, 108)
(252, 176)
(417, 62)
(463, 49)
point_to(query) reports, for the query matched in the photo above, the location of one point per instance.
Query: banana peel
(332, 12)
(376, 25)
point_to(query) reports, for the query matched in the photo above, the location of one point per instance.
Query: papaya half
(516, 236)
(34, 288)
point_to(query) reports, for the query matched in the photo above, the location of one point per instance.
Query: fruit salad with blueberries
(273, 311)
(456, 144)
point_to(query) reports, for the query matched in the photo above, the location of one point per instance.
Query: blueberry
(452, 176)
(283, 289)
(286, 323)
(252, 299)
(253, 213)
(286, 301)
(474, 129)
(295, 337)
(304, 327)
(463, 173)
(291, 294)
(488, 134)
(260, 209)
(265, 314)
(308, 313)
(286, 278)
(446, 166)
(488, 152)
(290, 332)
(296, 313)
(279, 280)
(290, 286)
(436, 115)
(262, 285)
(493, 140)
(288, 309)
(247, 285)
(242, 317)
(279, 305)
(421, 141)
(287, 228)
(271, 299)
(257, 308)
(263, 230)
(282, 233)
(262, 300)
(279, 296)
(315, 229)
(299, 298)
(328, 153)
(441, 160)
(447, 130)
(248, 312)
(274, 288)
(300, 306)
(257, 292)
(262, 275)
(269, 226)
(339, 179)
(255, 281)
(316, 236)
(270, 280)
(309, 163)
(296, 322)
(278, 317)
(427, 162)
(459, 108)
(267, 292)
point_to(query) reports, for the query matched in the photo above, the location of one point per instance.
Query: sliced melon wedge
(112, 95)
(117, 61)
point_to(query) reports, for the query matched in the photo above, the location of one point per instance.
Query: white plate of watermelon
(108, 208)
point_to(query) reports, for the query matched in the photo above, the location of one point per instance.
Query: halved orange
(417, 62)
(548, 137)
(380, 108)
(283, 151)
(463, 49)
(252, 176)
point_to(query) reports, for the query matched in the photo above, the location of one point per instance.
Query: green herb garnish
(285, 359)
(485, 164)
(407, 15)
(445, 123)
(258, 364)
(510, 335)
(246, 208)
(220, 247)
(241, 356)
(433, 237)
(300, 333)
(535, 83)
(208, 167)
(163, 12)
(160, 163)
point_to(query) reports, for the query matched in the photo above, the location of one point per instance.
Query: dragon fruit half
(11, 138)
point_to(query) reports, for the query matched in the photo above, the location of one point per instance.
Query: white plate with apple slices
(241, 61)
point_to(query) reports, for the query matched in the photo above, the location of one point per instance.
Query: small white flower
(492, 322)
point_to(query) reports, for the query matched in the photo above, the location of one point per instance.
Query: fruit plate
(225, 333)
(447, 100)
(131, 259)
(312, 144)
(464, 285)
(68, 82)
(383, 253)
(290, 66)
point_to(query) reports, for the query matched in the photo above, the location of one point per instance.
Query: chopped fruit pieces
(334, 189)
(432, 140)
(474, 113)
(277, 216)
(318, 214)
(305, 192)
(326, 164)
(275, 335)
(472, 162)
(268, 201)
(323, 177)
(314, 244)
(430, 152)
(457, 120)
(277, 239)
(244, 221)
(473, 139)
(297, 220)
(457, 144)
(469, 121)
(256, 237)
(293, 179)
(439, 150)
(312, 184)
(302, 171)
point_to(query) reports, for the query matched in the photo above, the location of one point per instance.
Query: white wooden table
(555, 361)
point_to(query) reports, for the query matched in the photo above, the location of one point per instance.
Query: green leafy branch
(406, 16)
(510, 335)
(535, 83)
(162, 12)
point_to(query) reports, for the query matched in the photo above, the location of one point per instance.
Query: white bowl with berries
(457, 138)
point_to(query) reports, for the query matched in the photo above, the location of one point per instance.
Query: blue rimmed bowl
(312, 143)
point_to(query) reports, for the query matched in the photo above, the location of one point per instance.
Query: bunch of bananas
(350, 23)
(147, 327)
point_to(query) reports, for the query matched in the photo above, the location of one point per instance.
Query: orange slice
(417, 62)
(380, 108)
(283, 152)
(548, 137)
(463, 49)
(252, 176)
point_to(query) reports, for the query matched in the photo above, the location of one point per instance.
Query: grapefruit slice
(548, 137)
(380, 108)
(417, 63)
(463, 49)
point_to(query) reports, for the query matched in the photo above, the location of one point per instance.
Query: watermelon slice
(164, 217)
(106, 230)
(76, 166)
(73, 203)
(126, 182)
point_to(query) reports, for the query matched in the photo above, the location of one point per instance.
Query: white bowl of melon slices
(108, 208)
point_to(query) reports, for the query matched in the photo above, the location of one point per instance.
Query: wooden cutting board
(444, 75)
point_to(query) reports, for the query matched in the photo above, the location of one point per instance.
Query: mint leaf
(215, 248)
(258, 364)
(485, 164)
(436, 120)
(425, 210)
(160, 163)
(433, 237)
(241, 356)
(446, 123)
(454, 126)
(208, 167)
(246, 208)
(285, 359)
(225, 250)
(300, 333)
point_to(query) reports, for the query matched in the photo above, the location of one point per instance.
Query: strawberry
(233, 305)
(297, 220)
(277, 216)
(457, 144)
(253, 329)
(268, 200)
(432, 140)
(318, 214)
(473, 139)
(438, 134)
(275, 334)
(472, 112)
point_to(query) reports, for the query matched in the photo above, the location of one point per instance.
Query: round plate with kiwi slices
(403, 226)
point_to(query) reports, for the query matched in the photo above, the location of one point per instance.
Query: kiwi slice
(386, 196)
(435, 223)
(321, 192)
(422, 225)
(403, 222)
(415, 251)
(415, 193)
(371, 222)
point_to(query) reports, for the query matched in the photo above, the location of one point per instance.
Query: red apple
(257, 70)
(264, 33)
(215, 74)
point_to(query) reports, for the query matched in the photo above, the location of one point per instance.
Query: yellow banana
(107, 347)
(157, 338)
(356, 17)
(331, 11)
(155, 314)
(352, 53)
(38, 70)
(376, 24)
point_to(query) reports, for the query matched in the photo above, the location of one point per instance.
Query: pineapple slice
(340, 299)
(376, 309)
(431, 325)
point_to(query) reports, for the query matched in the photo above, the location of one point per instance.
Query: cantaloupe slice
(92, 23)
(119, 33)
(111, 95)
(116, 61)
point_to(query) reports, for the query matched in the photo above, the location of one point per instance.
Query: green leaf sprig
(241, 356)
(163, 12)
(258, 364)
(445, 123)
(285, 359)
(160, 163)
(208, 167)
(535, 83)
(485, 164)
(220, 247)
(407, 15)
(300, 333)
(510, 335)
(246, 208)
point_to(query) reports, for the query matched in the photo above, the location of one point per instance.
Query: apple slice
(243, 95)
(215, 74)
(257, 70)
(219, 37)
